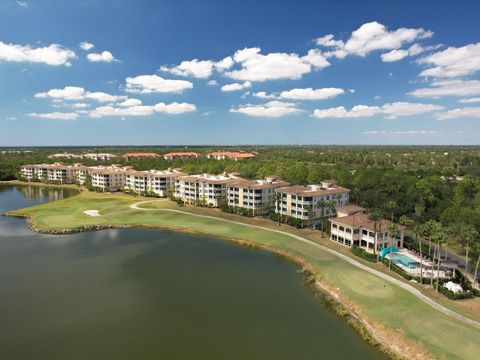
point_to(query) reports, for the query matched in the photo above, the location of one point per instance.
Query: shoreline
(369, 330)
(40, 184)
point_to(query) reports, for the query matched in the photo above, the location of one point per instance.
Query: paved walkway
(380, 274)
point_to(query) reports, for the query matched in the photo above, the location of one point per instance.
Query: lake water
(148, 294)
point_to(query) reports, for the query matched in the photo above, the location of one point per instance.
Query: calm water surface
(147, 294)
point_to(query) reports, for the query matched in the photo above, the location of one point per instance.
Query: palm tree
(392, 234)
(310, 213)
(476, 249)
(467, 234)
(440, 237)
(278, 199)
(322, 205)
(418, 230)
(376, 218)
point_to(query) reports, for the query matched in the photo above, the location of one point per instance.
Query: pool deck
(426, 264)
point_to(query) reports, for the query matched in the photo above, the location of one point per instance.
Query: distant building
(359, 230)
(130, 156)
(56, 173)
(65, 156)
(203, 189)
(159, 182)
(257, 196)
(99, 156)
(301, 202)
(222, 155)
(181, 155)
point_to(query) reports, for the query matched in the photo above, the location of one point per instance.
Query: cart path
(380, 274)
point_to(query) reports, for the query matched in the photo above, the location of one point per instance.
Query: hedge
(363, 254)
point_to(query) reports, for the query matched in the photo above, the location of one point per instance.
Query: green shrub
(363, 254)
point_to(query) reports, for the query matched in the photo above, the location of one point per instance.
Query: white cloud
(55, 116)
(104, 56)
(236, 86)
(80, 105)
(78, 93)
(264, 95)
(340, 112)
(453, 62)
(23, 4)
(466, 112)
(403, 132)
(390, 110)
(370, 37)
(255, 66)
(302, 94)
(85, 45)
(212, 83)
(394, 55)
(53, 54)
(142, 110)
(145, 84)
(273, 109)
(469, 101)
(311, 94)
(131, 102)
(448, 88)
(198, 68)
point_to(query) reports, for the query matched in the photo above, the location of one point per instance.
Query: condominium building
(108, 178)
(158, 182)
(359, 230)
(57, 172)
(257, 196)
(181, 155)
(132, 156)
(203, 189)
(34, 172)
(304, 202)
(222, 155)
(99, 156)
(65, 156)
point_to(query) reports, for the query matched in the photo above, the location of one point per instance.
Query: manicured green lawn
(380, 300)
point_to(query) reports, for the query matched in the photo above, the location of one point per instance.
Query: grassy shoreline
(399, 321)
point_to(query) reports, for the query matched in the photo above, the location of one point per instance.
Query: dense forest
(440, 183)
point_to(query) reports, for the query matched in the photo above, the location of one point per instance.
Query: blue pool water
(404, 260)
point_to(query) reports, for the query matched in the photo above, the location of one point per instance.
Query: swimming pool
(404, 260)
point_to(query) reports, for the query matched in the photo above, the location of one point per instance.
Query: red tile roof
(127, 155)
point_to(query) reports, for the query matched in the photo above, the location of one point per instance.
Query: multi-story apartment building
(65, 156)
(304, 202)
(158, 182)
(222, 155)
(257, 196)
(359, 230)
(181, 155)
(108, 178)
(32, 172)
(131, 156)
(56, 172)
(203, 189)
(99, 156)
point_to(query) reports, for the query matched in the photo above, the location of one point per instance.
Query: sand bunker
(91, 212)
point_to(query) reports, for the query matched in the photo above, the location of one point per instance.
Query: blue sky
(116, 73)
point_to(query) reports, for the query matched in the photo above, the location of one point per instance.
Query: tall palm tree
(467, 234)
(476, 247)
(278, 199)
(376, 218)
(440, 237)
(322, 205)
(392, 234)
(418, 230)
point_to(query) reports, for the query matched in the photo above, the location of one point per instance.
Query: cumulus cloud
(390, 110)
(303, 94)
(146, 84)
(469, 101)
(53, 54)
(255, 66)
(55, 115)
(370, 37)
(104, 56)
(394, 55)
(212, 83)
(441, 88)
(23, 4)
(131, 102)
(272, 109)
(466, 112)
(198, 68)
(142, 110)
(236, 86)
(85, 45)
(78, 93)
(453, 62)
